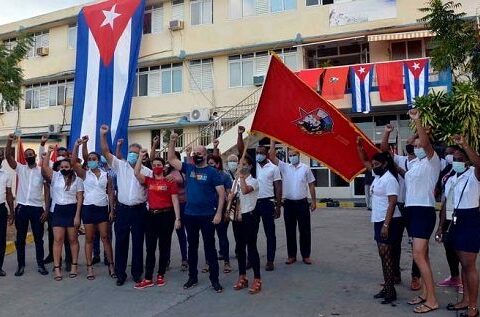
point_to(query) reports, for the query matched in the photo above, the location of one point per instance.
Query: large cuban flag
(361, 77)
(108, 43)
(416, 79)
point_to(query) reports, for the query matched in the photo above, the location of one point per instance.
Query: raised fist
(414, 114)
(241, 129)
(389, 128)
(104, 129)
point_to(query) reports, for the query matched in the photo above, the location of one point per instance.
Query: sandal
(58, 277)
(417, 300)
(453, 307)
(423, 309)
(111, 271)
(184, 266)
(206, 269)
(91, 277)
(227, 268)
(241, 283)
(256, 287)
(465, 314)
(73, 275)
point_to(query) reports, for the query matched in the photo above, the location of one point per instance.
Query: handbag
(233, 208)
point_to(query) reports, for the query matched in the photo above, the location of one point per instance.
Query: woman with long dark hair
(386, 216)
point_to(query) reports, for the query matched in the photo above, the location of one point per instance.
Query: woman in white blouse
(462, 196)
(67, 193)
(96, 213)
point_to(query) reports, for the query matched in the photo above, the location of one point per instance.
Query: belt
(265, 199)
(158, 211)
(296, 200)
(131, 207)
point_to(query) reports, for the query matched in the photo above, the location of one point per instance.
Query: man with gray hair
(130, 212)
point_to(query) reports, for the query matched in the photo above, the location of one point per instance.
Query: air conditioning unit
(258, 80)
(42, 51)
(176, 25)
(200, 115)
(54, 128)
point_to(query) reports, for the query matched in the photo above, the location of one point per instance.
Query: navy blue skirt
(64, 215)
(395, 231)
(421, 221)
(465, 233)
(93, 215)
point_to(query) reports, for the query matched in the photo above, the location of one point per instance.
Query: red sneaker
(143, 284)
(160, 281)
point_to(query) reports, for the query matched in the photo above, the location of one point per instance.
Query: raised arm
(155, 146)
(47, 171)
(240, 143)
(172, 158)
(43, 141)
(384, 146)
(272, 153)
(216, 151)
(9, 153)
(85, 140)
(118, 149)
(472, 155)
(362, 154)
(138, 168)
(74, 159)
(104, 144)
(422, 134)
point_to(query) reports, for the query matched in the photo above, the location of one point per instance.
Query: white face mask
(232, 166)
(449, 158)
(294, 159)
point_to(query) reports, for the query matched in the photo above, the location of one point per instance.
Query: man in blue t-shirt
(205, 195)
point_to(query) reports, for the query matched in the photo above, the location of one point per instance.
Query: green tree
(11, 74)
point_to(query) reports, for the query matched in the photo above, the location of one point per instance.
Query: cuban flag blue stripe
(104, 104)
(363, 95)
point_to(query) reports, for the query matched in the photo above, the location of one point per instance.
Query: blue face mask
(92, 164)
(132, 158)
(459, 167)
(420, 153)
(260, 157)
(294, 159)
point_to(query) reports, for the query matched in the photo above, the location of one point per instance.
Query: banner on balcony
(390, 81)
(311, 77)
(292, 113)
(334, 82)
(416, 79)
(361, 82)
(108, 42)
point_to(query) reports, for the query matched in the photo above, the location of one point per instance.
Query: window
(153, 19)
(171, 78)
(39, 40)
(156, 80)
(201, 74)
(10, 43)
(243, 67)
(72, 37)
(407, 49)
(337, 54)
(289, 57)
(242, 8)
(325, 177)
(317, 2)
(178, 10)
(43, 95)
(201, 12)
(282, 5)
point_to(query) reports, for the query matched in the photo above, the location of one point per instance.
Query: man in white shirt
(297, 180)
(29, 209)
(131, 210)
(6, 215)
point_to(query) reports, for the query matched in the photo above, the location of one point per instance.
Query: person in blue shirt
(205, 197)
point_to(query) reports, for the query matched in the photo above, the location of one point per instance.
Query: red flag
(53, 158)
(292, 113)
(310, 76)
(334, 83)
(20, 152)
(390, 81)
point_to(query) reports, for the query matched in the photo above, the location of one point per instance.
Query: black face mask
(379, 170)
(30, 160)
(197, 159)
(66, 172)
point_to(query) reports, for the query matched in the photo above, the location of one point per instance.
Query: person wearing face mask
(298, 181)
(95, 210)
(386, 216)
(205, 199)
(67, 193)
(29, 209)
(6, 215)
(130, 212)
(462, 196)
(420, 183)
(270, 182)
(162, 217)
(232, 165)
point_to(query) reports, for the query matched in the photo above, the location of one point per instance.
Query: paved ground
(341, 282)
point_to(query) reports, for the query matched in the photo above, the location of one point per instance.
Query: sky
(12, 11)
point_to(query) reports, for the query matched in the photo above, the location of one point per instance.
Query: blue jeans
(23, 216)
(265, 211)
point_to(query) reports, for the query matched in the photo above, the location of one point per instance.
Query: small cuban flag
(416, 79)
(361, 82)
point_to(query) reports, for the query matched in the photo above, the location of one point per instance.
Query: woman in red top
(163, 215)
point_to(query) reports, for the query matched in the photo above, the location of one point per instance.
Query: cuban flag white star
(361, 70)
(416, 66)
(110, 16)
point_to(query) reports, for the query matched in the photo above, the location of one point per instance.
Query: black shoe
(120, 281)
(2, 273)
(380, 294)
(96, 259)
(190, 283)
(42, 270)
(20, 271)
(269, 266)
(48, 259)
(217, 287)
(390, 298)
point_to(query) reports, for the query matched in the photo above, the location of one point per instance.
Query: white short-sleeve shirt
(130, 191)
(382, 187)
(420, 182)
(266, 175)
(29, 186)
(454, 187)
(406, 165)
(95, 189)
(60, 194)
(248, 201)
(5, 181)
(295, 180)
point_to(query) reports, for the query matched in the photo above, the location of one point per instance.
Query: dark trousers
(297, 211)
(158, 229)
(452, 257)
(182, 235)
(66, 243)
(222, 233)
(23, 216)
(406, 220)
(265, 211)
(3, 232)
(194, 225)
(129, 220)
(246, 232)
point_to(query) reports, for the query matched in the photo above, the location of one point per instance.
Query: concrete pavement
(345, 275)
